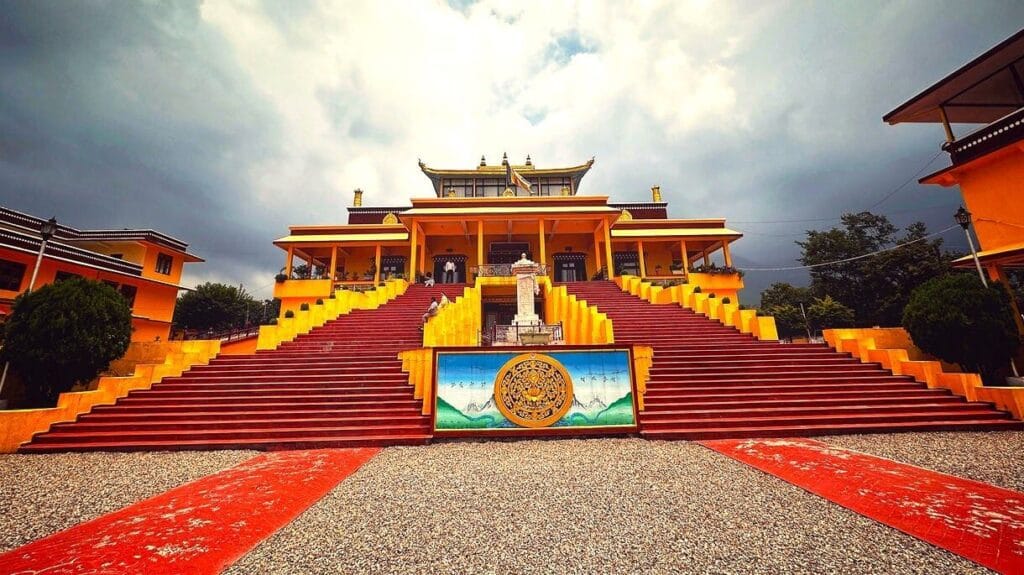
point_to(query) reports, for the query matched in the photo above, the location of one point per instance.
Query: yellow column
(423, 250)
(686, 259)
(640, 254)
(334, 262)
(540, 245)
(376, 266)
(479, 244)
(725, 254)
(412, 253)
(608, 250)
(288, 263)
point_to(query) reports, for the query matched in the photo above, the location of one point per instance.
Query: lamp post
(46, 231)
(963, 217)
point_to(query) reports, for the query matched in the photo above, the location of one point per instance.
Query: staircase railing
(687, 296)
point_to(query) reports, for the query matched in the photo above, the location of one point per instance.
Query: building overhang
(1009, 255)
(676, 233)
(979, 92)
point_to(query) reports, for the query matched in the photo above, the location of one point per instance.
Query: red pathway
(197, 528)
(981, 522)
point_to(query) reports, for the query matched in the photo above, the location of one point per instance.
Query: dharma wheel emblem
(533, 390)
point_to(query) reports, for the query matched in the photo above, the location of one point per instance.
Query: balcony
(500, 271)
(998, 134)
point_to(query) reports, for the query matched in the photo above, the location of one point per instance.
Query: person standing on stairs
(449, 272)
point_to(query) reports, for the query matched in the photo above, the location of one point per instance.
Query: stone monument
(526, 288)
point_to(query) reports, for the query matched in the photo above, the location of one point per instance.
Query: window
(163, 264)
(61, 276)
(129, 293)
(11, 274)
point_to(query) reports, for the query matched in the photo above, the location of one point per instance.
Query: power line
(873, 206)
(855, 258)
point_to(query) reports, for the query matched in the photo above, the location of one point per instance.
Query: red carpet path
(981, 522)
(198, 528)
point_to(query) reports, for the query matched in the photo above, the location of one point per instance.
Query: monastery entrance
(570, 267)
(460, 268)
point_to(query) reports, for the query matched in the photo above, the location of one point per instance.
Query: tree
(782, 301)
(876, 287)
(781, 293)
(959, 320)
(215, 306)
(65, 333)
(828, 313)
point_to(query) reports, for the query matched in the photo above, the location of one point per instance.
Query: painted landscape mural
(602, 391)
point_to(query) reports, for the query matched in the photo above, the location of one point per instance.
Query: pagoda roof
(979, 92)
(576, 173)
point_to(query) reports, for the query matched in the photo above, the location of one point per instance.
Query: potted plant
(289, 314)
(280, 277)
(304, 307)
(676, 268)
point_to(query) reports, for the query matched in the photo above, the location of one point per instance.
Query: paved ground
(571, 506)
(43, 494)
(604, 506)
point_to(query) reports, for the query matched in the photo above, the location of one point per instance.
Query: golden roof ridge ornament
(626, 216)
(357, 198)
(656, 193)
(390, 219)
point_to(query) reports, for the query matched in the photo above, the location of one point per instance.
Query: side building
(986, 162)
(145, 266)
(480, 220)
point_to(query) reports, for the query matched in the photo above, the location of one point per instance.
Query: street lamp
(46, 231)
(963, 217)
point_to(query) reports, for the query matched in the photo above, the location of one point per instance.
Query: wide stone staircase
(340, 385)
(711, 381)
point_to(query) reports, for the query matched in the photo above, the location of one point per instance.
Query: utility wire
(873, 206)
(855, 258)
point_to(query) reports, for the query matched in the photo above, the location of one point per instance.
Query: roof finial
(358, 199)
(504, 159)
(656, 193)
(528, 161)
(483, 161)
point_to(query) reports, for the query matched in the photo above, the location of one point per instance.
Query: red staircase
(341, 385)
(711, 381)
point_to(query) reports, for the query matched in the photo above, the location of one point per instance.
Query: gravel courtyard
(565, 506)
(576, 506)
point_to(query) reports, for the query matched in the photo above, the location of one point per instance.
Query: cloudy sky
(221, 123)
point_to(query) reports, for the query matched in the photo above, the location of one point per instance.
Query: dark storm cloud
(124, 114)
(130, 114)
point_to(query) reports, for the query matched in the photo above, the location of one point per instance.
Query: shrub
(319, 301)
(959, 320)
(726, 299)
(304, 307)
(280, 278)
(65, 333)
(289, 314)
(697, 289)
(828, 313)
(711, 296)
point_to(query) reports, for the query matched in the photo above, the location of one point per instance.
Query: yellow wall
(987, 191)
(19, 425)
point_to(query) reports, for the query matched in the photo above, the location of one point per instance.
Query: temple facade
(476, 222)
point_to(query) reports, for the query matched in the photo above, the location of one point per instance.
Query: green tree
(959, 320)
(65, 333)
(876, 288)
(215, 306)
(827, 313)
(782, 301)
(781, 293)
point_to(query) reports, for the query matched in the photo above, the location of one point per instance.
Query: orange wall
(153, 301)
(992, 191)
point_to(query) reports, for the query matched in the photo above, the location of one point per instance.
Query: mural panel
(513, 390)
